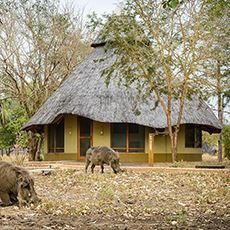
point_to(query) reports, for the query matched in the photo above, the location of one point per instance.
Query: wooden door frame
(79, 157)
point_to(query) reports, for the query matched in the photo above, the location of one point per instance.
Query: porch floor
(182, 165)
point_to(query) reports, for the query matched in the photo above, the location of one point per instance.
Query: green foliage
(7, 137)
(216, 8)
(153, 45)
(210, 139)
(226, 140)
(170, 4)
(10, 132)
(226, 97)
(217, 69)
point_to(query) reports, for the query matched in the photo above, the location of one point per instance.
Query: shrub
(17, 159)
(210, 139)
(226, 140)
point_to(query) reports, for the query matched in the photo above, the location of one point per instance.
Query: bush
(17, 159)
(10, 129)
(210, 139)
(226, 140)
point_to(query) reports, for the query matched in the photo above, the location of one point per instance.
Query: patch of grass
(106, 193)
(47, 206)
(17, 159)
(177, 164)
(175, 196)
(180, 217)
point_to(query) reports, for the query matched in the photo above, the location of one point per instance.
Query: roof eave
(33, 128)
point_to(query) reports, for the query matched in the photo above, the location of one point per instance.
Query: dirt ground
(139, 198)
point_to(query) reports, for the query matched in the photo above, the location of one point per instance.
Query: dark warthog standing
(16, 185)
(102, 155)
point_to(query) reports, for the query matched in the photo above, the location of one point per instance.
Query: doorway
(85, 137)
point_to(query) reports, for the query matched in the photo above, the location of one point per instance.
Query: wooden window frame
(54, 137)
(126, 148)
(195, 128)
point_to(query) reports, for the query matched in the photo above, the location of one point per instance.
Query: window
(193, 137)
(127, 137)
(56, 137)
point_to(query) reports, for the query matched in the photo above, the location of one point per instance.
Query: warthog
(102, 155)
(16, 185)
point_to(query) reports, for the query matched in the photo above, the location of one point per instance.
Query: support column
(151, 150)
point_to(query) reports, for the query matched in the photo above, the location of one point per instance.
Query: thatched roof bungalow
(83, 111)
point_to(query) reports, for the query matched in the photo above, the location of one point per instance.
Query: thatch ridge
(85, 93)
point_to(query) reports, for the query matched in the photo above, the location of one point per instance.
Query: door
(85, 139)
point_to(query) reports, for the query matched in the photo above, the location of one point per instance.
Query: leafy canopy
(10, 130)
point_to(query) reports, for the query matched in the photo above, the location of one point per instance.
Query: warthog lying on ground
(16, 185)
(102, 155)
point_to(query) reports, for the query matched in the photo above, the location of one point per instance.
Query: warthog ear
(22, 180)
(19, 177)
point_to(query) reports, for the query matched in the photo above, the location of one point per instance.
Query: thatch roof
(85, 93)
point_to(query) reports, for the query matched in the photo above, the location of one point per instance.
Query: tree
(10, 129)
(160, 48)
(226, 140)
(3, 112)
(218, 81)
(40, 44)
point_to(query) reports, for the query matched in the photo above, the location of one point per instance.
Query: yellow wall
(162, 148)
(162, 144)
(101, 134)
(70, 134)
(181, 145)
(133, 157)
(101, 137)
(147, 131)
(70, 141)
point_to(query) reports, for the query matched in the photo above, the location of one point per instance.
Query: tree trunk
(220, 111)
(34, 146)
(174, 153)
(38, 148)
(220, 117)
(173, 139)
